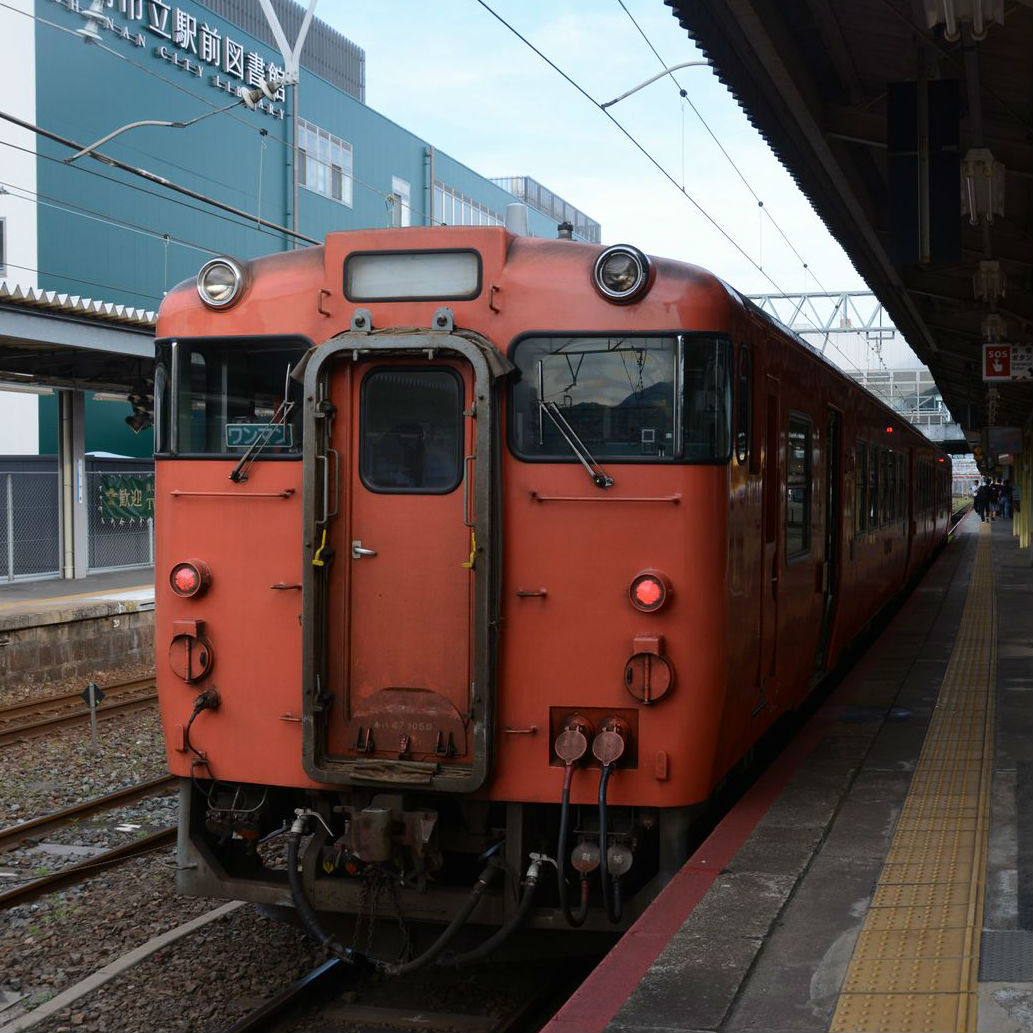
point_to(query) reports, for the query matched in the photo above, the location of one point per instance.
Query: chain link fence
(29, 525)
(119, 499)
(121, 521)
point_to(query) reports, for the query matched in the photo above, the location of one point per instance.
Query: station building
(130, 159)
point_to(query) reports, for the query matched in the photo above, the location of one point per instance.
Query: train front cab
(418, 696)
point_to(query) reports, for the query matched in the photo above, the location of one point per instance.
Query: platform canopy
(909, 126)
(60, 340)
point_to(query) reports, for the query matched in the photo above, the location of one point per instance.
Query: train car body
(454, 525)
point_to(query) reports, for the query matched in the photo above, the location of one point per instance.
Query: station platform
(879, 875)
(114, 591)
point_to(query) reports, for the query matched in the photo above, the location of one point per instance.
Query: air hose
(313, 926)
(574, 918)
(608, 747)
(305, 911)
(434, 950)
(604, 872)
(505, 931)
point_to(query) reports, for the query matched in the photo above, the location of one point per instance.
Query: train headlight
(190, 578)
(649, 591)
(220, 283)
(622, 273)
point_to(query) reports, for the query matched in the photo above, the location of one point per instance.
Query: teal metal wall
(106, 429)
(107, 234)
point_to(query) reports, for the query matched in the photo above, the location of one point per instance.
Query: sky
(452, 73)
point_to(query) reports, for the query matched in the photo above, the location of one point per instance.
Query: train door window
(229, 396)
(902, 490)
(411, 430)
(798, 486)
(860, 488)
(743, 405)
(624, 398)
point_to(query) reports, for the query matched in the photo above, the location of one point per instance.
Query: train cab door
(399, 656)
(770, 570)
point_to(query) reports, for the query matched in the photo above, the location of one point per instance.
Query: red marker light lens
(185, 580)
(649, 592)
(190, 579)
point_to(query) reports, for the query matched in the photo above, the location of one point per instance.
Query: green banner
(126, 498)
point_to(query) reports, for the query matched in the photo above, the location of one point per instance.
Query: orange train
(483, 558)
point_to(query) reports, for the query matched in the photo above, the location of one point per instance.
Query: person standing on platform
(982, 503)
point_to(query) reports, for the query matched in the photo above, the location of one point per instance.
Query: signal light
(649, 591)
(190, 579)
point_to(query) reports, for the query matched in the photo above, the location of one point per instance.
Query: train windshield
(632, 398)
(228, 397)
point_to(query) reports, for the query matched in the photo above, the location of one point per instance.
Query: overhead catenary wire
(688, 100)
(255, 220)
(645, 152)
(154, 178)
(61, 204)
(240, 119)
(162, 238)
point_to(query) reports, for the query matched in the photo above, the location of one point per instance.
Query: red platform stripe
(612, 981)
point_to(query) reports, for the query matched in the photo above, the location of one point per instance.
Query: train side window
(889, 486)
(798, 486)
(873, 488)
(743, 405)
(902, 490)
(411, 430)
(860, 488)
(162, 444)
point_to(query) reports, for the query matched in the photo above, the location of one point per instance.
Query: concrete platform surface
(65, 599)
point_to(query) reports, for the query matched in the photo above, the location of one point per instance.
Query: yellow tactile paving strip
(916, 963)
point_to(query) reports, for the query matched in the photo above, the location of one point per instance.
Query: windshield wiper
(600, 478)
(265, 434)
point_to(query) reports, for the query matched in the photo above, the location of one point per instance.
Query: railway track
(12, 836)
(336, 996)
(42, 716)
(76, 873)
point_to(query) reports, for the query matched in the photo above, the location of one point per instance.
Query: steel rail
(286, 998)
(34, 707)
(32, 729)
(76, 873)
(12, 836)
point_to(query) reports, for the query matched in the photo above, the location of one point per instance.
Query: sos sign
(997, 362)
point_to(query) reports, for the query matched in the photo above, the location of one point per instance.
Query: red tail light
(649, 591)
(190, 579)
